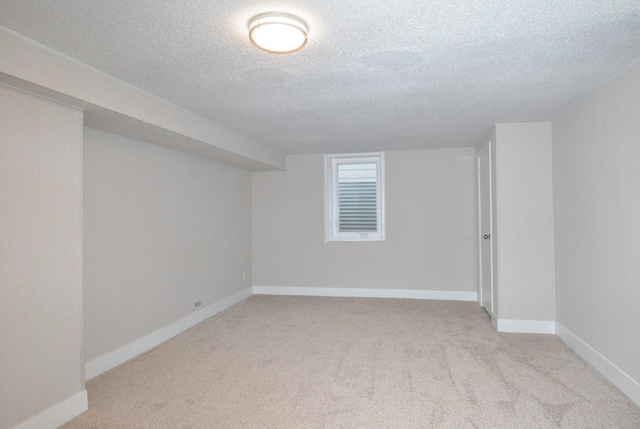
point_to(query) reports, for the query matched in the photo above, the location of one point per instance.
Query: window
(354, 197)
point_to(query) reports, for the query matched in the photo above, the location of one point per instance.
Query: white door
(484, 211)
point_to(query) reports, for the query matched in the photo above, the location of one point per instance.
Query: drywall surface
(596, 175)
(163, 230)
(431, 230)
(41, 254)
(524, 219)
(114, 106)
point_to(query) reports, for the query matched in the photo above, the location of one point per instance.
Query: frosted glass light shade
(278, 33)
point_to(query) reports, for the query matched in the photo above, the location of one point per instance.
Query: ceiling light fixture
(278, 33)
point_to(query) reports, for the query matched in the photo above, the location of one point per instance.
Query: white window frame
(332, 162)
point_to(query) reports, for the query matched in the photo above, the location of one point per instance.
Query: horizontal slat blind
(357, 198)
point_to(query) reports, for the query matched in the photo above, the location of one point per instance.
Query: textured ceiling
(375, 75)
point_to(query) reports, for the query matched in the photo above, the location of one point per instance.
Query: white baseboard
(119, 356)
(367, 293)
(58, 415)
(611, 372)
(525, 326)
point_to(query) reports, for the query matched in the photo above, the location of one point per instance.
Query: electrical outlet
(197, 304)
(244, 275)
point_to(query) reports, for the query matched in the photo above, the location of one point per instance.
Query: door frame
(488, 150)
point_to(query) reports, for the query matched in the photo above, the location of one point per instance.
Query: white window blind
(357, 198)
(354, 197)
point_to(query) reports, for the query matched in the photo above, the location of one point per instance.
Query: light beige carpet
(306, 362)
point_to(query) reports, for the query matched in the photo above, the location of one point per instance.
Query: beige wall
(524, 221)
(596, 171)
(431, 227)
(41, 254)
(163, 230)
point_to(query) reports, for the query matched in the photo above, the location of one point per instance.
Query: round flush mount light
(278, 33)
